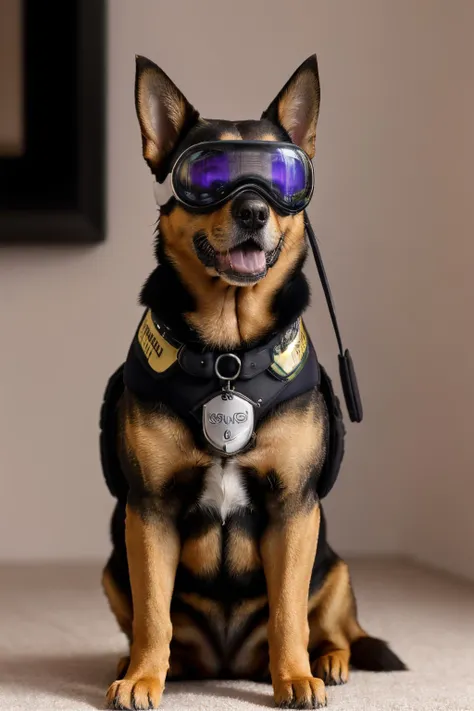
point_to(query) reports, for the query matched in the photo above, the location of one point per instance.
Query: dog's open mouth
(247, 262)
(248, 259)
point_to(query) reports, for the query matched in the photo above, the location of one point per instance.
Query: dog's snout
(250, 211)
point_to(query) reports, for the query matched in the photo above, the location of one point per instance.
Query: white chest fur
(224, 489)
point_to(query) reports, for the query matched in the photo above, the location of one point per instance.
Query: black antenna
(346, 366)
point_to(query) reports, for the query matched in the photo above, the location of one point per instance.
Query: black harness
(191, 379)
(185, 377)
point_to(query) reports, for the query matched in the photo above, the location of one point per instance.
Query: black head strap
(346, 366)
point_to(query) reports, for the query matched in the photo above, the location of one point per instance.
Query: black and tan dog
(220, 566)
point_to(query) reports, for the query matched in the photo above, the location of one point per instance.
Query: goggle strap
(162, 191)
(347, 372)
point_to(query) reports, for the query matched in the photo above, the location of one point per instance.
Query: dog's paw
(304, 693)
(332, 668)
(142, 693)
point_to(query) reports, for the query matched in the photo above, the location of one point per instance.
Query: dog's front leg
(288, 552)
(153, 553)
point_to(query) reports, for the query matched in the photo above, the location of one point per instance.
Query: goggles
(208, 174)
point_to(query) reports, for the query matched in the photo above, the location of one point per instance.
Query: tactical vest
(222, 397)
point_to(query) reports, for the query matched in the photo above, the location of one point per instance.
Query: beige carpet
(59, 644)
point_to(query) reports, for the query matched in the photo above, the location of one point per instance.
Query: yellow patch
(288, 363)
(160, 354)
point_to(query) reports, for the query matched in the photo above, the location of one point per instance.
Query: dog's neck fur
(222, 316)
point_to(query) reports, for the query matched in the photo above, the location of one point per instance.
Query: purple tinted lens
(288, 175)
(209, 171)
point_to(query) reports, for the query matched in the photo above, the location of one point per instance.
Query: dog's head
(244, 236)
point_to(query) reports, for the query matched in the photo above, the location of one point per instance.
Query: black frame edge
(84, 221)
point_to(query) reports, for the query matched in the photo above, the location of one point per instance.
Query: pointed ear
(163, 112)
(296, 107)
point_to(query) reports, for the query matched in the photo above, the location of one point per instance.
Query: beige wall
(394, 213)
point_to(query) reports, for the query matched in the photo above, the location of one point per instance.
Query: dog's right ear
(163, 112)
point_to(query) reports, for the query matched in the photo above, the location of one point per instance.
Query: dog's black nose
(250, 211)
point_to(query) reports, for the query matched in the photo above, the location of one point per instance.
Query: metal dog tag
(228, 421)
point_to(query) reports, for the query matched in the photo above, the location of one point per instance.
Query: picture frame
(54, 191)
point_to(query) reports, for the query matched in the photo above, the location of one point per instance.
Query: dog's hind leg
(116, 583)
(332, 623)
(336, 638)
(121, 607)
(119, 603)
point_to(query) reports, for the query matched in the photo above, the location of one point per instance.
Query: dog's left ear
(296, 107)
(163, 112)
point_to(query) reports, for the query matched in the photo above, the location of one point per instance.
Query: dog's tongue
(242, 260)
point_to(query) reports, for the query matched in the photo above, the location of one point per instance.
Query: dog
(220, 565)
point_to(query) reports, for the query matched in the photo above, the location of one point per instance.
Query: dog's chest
(224, 489)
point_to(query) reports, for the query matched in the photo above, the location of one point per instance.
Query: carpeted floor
(59, 644)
